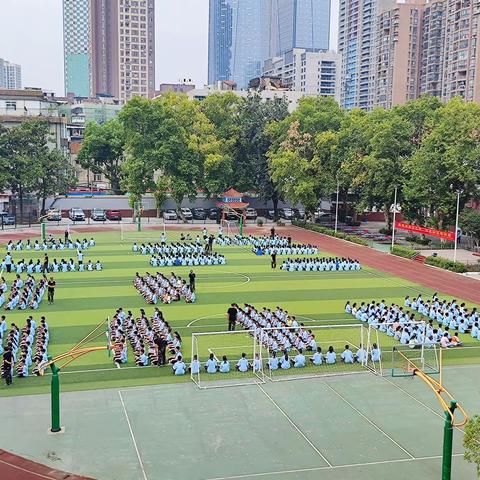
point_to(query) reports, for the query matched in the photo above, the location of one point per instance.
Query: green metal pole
(55, 399)
(448, 443)
(139, 220)
(43, 230)
(241, 226)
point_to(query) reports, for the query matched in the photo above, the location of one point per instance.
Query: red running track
(13, 467)
(449, 283)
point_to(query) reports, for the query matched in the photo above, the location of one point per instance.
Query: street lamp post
(394, 216)
(456, 228)
(336, 206)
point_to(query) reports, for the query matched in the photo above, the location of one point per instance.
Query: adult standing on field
(232, 317)
(191, 277)
(51, 290)
(272, 232)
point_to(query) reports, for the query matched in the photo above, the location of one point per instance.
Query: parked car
(212, 213)
(113, 215)
(251, 213)
(54, 215)
(98, 215)
(7, 218)
(76, 214)
(199, 214)
(285, 213)
(229, 215)
(299, 213)
(186, 213)
(170, 215)
(271, 214)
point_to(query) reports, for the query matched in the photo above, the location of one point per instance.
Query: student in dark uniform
(274, 260)
(51, 290)
(232, 316)
(7, 364)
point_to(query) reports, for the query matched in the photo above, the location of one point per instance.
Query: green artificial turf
(84, 299)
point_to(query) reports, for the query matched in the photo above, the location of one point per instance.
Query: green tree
(102, 151)
(471, 442)
(250, 164)
(470, 223)
(447, 162)
(160, 193)
(56, 175)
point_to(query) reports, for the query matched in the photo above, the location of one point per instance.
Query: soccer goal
(230, 227)
(226, 359)
(129, 233)
(406, 361)
(326, 350)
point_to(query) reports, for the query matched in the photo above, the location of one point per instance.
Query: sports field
(358, 426)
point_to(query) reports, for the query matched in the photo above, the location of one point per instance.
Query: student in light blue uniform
(273, 362)
(211, 364)
(299, 361)
(257, 363)
(194, 366)
(317, 357)
(347, 355)
(331, 356)
(224, 365)
(179, 367)
(376, 353)
(361, 354)
(242, 364)
(285, 362)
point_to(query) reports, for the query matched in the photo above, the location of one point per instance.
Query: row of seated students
(170, 249)
(187, 260)
(402, 325)
(294, 249)
(447, 313)
(263, 241)
(158, 287)
(54, 266)
(50, 243)
(23, 295)
(320, 264)
(151, 339)
(27, 348)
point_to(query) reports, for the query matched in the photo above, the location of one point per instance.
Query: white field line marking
(369, 421)
(295, 426)
(31, 474)
(335, 467)
(133, 436)
(201, 318)
(394, 280)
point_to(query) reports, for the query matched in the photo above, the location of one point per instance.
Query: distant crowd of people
(158, 287)
(320, 264)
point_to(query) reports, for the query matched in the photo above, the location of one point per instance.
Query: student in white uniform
(242, 364)
(211, 365)
(285, 362)
(376, 353)
(299, 360)
(179, 367)
(331, 356)
(224, 365)
(273, 362)
(347, 355)
(317, 357)
(194, 366)
(361, 354)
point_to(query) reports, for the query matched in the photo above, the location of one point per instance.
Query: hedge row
(330, 232)
(446, 264)
(404, 252)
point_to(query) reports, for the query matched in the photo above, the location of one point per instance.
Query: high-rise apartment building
(355, 43)
(461, 65)
(239, 38)
(299, 24)
(396, 53)
(76, 51)
(112, 43)
(10, 75)
(309, 71)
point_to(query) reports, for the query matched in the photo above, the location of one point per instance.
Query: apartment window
(9, 105)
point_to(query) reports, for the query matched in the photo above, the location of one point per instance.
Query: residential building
(174, 87)
(355, 44)
(110, 48)
(76, 46)
(432, 48)
(239, 39)
(309, 71)
(397, 52)
(299, 24)
(292, 97)
(10, 75)
(461, 63)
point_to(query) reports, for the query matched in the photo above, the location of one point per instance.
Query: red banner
(430, 232)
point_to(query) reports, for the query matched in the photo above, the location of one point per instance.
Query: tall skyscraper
(239, 36)
(10, 75)
(76, 43)
(117, 54)
(355, 44)
(299, 24)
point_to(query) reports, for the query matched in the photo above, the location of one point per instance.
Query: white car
(186, 213)
(170, 215)
(251, 213)
(76, 214)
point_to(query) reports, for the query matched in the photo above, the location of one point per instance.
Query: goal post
(406, 361)
(324, 348)
(226, 359)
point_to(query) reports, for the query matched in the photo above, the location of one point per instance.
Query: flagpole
(336, 206)
(394, 217)
(456, 228)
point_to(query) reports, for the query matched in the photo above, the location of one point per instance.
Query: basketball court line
(133, 436)
(334, 467)
(292, 423)
(369, 421)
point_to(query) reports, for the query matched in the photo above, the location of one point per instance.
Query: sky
(31, 35)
